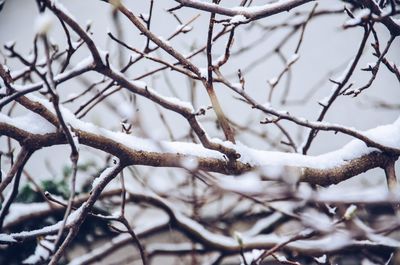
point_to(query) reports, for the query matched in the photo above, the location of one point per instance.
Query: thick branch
(326, 176)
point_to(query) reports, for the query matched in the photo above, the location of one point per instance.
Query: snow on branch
(169, 154)
(181, 144)
(253, 12)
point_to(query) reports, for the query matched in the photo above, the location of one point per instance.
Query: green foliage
(55, 186)
(84, 167)
(91, 229)
(28, 195)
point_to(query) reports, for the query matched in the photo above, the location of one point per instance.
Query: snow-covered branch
(200, 131)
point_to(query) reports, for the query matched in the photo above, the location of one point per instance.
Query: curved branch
(137, 151)
(251, 13)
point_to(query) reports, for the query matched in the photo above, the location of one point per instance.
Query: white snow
(75, 44)
(166, 42)
(267, 104)
(248, 183)
(48, 229)
(377, 193)
(272, 171)
(331, 210)
(383, 240)
(77, 68)
(306, 232)
(305, 191)
(262, 224)
(218, 60)
(21, 209)
(30, 122)
(120, 239)
(388, 135)
(102, 176)
(251, 256)
(273, 81)
(331, 242)
(237, 86)
(358, 17)
(200, 230)
(72, 95)
(173, 247)
(4, 238)
(43, 23)
(281, 258)
(321, 259)
(257, 9)
(9, 43)
(293, 58)
(140, 84)
(317, 220)
(173, 100)
(352, 22)
(62, 8)
(334, 241)
(183, 28)
(190, 163)
(238, 19)
(18, 72)
(41, 253)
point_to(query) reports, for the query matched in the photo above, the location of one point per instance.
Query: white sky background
(325, 47)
